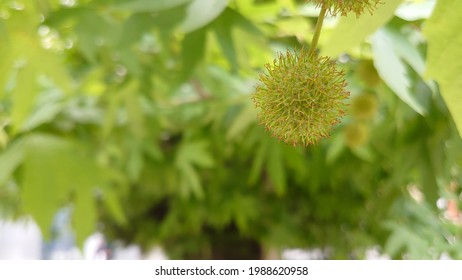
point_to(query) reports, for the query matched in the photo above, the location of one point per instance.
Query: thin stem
(317, 30)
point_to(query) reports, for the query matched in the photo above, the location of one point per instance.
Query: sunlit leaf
(84, 216)
(276, 170)
(393, 71)
(223, 30)
(42, 115)
(405, 49)
(42, 194)
(192, 51)
(351, 31)
(202, 12)
(416, 10)
(114, 206)
(443, 59)
(10, 159)
(148, 5)
(243, 120)
(135, 162)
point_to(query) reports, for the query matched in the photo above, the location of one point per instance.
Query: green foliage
(444, 45)
(345, 7)
(138, 115)
(389, 61)
(351, 31)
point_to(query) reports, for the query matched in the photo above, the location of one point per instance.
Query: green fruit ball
(301, 97)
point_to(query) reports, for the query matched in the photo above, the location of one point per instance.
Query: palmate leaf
(394, 71)
(112, 203)
(405, 49)
(189, 156)
(45, 182)
(24, 57)
(222, 27)
(444, 59)
(54, 172)
(403, 238)
(201, 13)
(84, 215)
(269, 156)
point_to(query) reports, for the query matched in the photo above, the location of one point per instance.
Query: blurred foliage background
(137, 114)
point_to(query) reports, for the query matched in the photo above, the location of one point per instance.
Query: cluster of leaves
(138, 114)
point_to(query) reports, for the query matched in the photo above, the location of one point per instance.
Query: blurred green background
(137, 115)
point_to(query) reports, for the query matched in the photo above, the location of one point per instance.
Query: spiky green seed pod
(301, 97)
(343, 7)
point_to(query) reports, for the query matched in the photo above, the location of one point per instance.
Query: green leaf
(223, 31)
(55, 170)
(363, 152)
(10, 159)
(351, 31)
(245, 118)
(43, 193)
(403, 47)
(27, 53)
(23, 96)
(191, 181)
(192, 51)
(148, 5)
(84, 216)
(194, 153)
(133, 108)
(265, 10)
(48, 106)
(245, 211)
(393, 71)
(444, 59)
(201, 13)
(3, 138)
(113, 205)
(276, 170)
(396, 241)
(416, 10)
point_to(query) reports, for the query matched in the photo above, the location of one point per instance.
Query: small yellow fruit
(364, 106)
(367, 73)
(356, 134)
